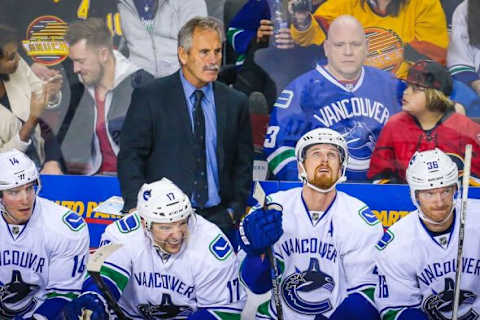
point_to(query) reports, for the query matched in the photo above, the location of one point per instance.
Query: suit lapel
(221, 111)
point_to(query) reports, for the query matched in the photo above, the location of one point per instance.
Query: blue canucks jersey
(317, 100)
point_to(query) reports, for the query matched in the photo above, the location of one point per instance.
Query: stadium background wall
(82, 194)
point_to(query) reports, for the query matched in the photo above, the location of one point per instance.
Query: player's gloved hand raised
(260, 229)
(87, 301)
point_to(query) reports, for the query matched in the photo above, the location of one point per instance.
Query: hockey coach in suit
(191, 129)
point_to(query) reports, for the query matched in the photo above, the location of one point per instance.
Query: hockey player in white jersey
(323, 239)
(174, 264)
(43, 246)
(417, 255)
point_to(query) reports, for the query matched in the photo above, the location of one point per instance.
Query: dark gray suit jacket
(157, 141)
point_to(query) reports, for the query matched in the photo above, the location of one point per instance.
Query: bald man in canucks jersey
(417, 255)
(343, 95)
(43, 246)
(173, 264)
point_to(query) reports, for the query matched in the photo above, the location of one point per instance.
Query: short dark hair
(94, 30)
(7, 35)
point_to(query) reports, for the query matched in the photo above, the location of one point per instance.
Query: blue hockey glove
(86, 301)
(260, 229)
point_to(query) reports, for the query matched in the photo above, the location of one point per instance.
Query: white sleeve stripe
(234, 36)
(282, 164)
(118, 269)
(460, 68)
(279, 151)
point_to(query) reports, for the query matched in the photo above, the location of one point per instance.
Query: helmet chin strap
(158, 244)
(6, 213)
(192, 219)
(39, 186)
(4, 210)
(303, 177)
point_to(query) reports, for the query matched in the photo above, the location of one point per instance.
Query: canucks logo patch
(128, 224)
(73, 221)
(387, 237)
(361, 142)
(147, 194)
(17, 296)
(369, 217)
(220, 248)
(439, 305)
(308, 291)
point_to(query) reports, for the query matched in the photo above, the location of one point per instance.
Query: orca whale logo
(147, 194)
(307, 281)
(15, 296)
(361, 143)
(439, 305)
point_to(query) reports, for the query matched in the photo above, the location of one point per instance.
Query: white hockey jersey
(418, 270)
(43, 259)
(324, 257)
(204, 274)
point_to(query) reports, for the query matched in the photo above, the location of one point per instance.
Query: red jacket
(402, 136)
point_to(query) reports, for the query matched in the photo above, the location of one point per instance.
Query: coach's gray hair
(185, 35)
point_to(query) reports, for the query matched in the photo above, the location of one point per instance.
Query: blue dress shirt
(208, 106)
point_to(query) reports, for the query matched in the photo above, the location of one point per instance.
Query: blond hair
(437, 101)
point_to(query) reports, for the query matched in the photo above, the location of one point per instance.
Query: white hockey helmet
(429, 170)
(16, 169)
(162, 202)
(320, 136)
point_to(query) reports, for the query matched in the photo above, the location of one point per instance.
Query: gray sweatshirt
(156, 51)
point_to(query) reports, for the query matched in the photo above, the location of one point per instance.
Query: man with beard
(323, 239)
(91, 141)
(193, 130)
